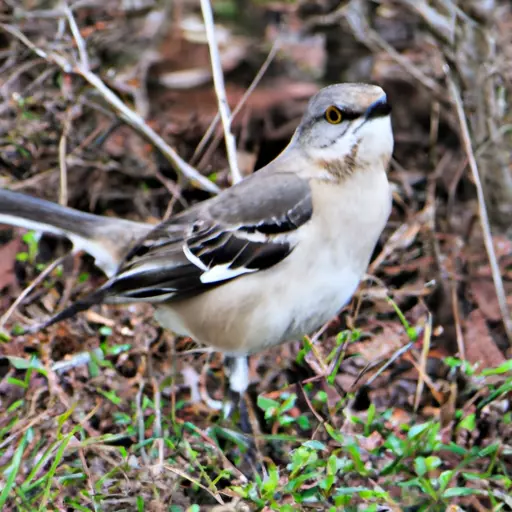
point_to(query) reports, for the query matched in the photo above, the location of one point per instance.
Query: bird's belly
(317, 300)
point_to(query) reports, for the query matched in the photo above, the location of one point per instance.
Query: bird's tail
(105, 238)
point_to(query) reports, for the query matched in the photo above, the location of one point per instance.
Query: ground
(401, 403)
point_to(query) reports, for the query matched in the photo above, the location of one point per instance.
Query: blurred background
(61, 139)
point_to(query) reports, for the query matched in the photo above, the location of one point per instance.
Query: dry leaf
(480, 347)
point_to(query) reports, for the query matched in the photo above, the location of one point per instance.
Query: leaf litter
(104, 411)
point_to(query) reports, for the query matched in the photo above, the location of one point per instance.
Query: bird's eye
(333, 115)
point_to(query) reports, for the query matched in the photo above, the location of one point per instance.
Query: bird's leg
(238, 371)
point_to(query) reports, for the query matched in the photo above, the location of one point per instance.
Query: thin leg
(237, 369)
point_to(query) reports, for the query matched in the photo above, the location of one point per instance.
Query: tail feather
(106, 239)
(78, 306)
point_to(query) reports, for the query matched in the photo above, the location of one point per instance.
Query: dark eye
(333, 115)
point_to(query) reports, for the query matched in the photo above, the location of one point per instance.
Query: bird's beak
(379, 108)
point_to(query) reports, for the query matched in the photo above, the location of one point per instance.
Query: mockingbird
(268, 260)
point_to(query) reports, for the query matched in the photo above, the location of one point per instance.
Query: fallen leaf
(381, 345)
(480, 347)
(7, 259)
(484, 294)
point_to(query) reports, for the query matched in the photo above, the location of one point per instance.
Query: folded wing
(247, 228)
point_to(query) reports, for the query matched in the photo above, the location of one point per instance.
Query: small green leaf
(420, 466)
(104, 330)
(445, 478)
(417, 430)
(17, 382)
(83, 277)
(321, 396)
(327, 482)
(265, 403)
(395, 444)
(17, 330)
(22, 256)
(24, 364)
(488, 450)
(303, 422)
(454, 492)
(16, 405)
(288, 404)
(11, 472)
(342, 491)
(334, 433)
(455, 448)
(314, 445)
(468, 423)
(503, 368)
(332, 464)
(433, 462)
(110, 395)
(270, 484)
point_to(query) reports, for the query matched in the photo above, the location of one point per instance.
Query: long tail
(105, 238)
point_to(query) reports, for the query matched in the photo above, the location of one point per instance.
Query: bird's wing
(247, 228)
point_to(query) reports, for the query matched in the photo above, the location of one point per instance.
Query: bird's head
(347, 126)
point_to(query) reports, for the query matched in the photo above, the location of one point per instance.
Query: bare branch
(220, 90)
(128, 115)
(135, 121)
(80, 43)
(63, 192)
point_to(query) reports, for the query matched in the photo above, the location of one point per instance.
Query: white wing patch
(223, 272)
(216, 273)
(194, 259)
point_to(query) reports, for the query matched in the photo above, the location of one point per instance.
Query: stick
(220, 90)
(128, 115)
(80, 43)
(39, 279)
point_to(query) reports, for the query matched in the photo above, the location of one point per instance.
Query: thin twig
(128, 115)
(456, 319)
(482, 209)
(63, 192)
(427, 337)
(80, 43)
(135, 121)
(29, 288)
(158, 420)
(220, 90)
(90, 479)
(185, 476)
(211, 129)
(140, 421)
(365, 34)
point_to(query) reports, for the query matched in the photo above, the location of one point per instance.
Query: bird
(267, 260)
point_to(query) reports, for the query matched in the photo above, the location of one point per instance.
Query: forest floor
(401, 403)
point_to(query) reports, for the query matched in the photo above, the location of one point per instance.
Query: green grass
(153, 450)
